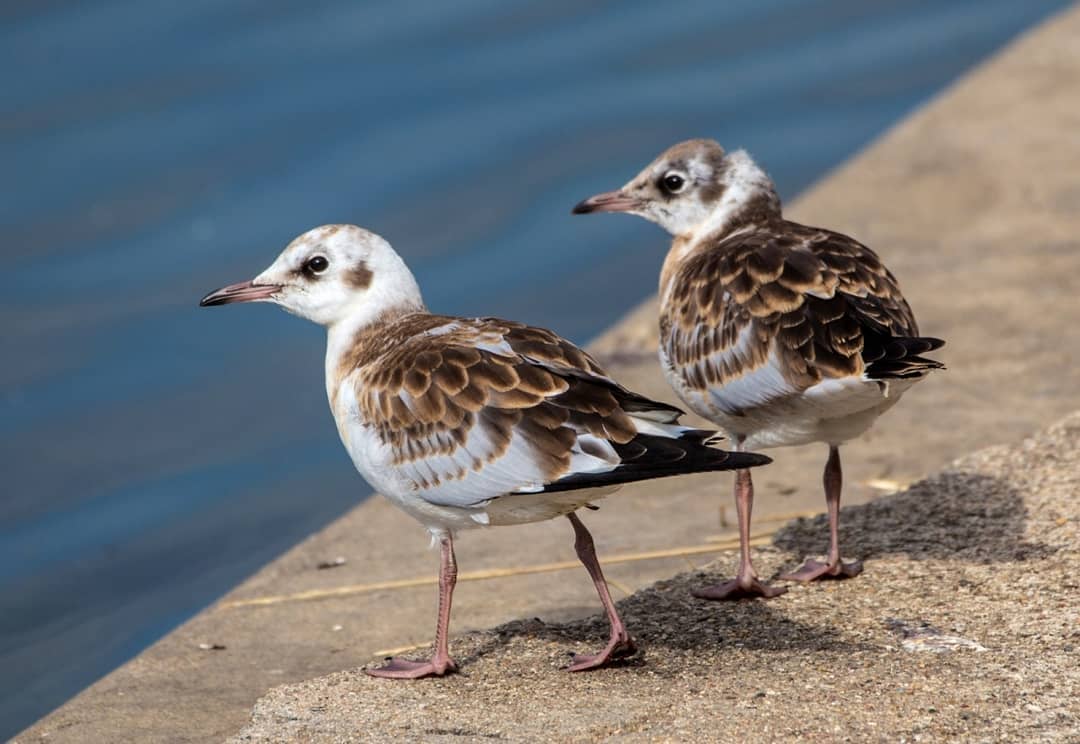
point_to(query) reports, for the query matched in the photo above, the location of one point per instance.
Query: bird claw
(397, 668)
(818, 571)
(619, 647)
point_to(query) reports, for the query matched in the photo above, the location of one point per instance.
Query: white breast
(373, 459)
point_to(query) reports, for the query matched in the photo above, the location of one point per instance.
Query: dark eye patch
(673, 183)
(316, 265)
(673, 179)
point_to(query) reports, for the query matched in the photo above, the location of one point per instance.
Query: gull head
(690, 187)
(329, 274)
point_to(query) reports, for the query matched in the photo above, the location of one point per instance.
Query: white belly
(522, 508)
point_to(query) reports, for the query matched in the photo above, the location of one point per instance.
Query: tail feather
(648, 456)
(899, 357)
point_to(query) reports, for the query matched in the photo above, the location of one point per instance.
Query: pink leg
(620, 644)
(746, 582)
(834, 568)
(440, 664)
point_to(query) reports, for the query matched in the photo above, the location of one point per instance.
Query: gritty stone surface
(964, 627)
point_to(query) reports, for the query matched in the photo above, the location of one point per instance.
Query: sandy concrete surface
(973, 201)
(965, 626)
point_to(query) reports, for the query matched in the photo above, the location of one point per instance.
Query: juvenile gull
(779, 333)
(470, 422)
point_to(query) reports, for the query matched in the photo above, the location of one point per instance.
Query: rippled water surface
(153, 453)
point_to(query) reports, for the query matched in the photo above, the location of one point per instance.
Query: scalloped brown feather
(811, 295)
(424, 392)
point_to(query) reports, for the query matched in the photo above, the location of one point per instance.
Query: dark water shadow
(953, 515)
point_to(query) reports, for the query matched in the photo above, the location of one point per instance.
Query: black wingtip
(741, 460)
(650, 456)
(702, 436)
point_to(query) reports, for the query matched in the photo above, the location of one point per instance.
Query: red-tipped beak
(239, 292)
(612, 201)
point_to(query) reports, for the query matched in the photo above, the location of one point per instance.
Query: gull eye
(316, 265)
(673, 182)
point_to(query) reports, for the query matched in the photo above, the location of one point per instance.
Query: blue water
(153, 453)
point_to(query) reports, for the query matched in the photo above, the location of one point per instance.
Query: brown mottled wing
(475, 409)
(769, 313)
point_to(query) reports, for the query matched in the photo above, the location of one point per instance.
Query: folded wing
(480, 408)
(764, 315)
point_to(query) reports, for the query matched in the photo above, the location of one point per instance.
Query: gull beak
(240, 292)
(612, 201)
